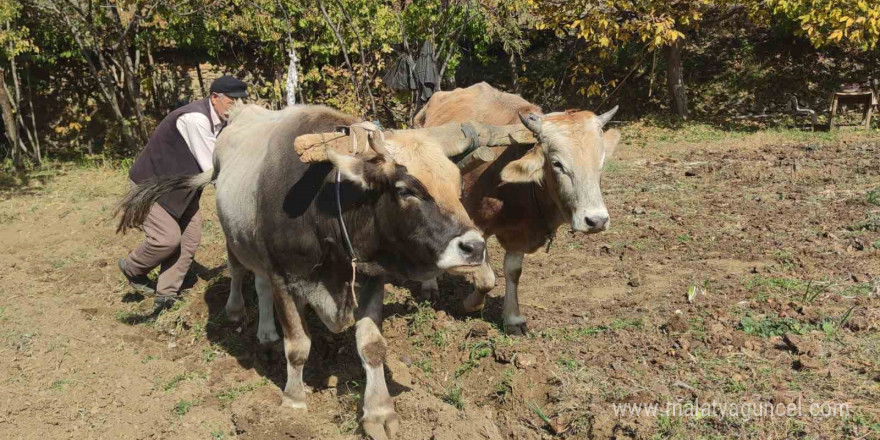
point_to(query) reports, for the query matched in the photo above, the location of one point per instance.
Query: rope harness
(367, 129)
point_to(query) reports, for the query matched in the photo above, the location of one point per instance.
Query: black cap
(230, 86)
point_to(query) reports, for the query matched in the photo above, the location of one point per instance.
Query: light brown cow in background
(527, 192)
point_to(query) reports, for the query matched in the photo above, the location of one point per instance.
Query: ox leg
(484, 282)
(430, 290)
(380, 422)
(235, 302)
(296, 344)
(514, 323)
(266, 332)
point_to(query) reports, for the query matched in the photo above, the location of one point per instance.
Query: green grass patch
(60, 385)
(175, 381)
(767, 326)
(183, 406)
(424, 365)
(873, 196)
(504, 387)
(476, 352)
(454, 397)
(229, 395)
(872, 224)
(764, 288)
(568, 364)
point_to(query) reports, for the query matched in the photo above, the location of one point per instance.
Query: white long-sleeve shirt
(197, 131)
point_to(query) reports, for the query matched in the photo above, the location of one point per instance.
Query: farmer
(183, 143)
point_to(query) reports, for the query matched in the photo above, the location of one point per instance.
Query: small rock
(857, 324)
(801, 345)
(479, 330)
(635, 281)
(406, 359)
(806, 363)
(525, 360)
(503, 355)
(172, 345)
(332, 381)
(676, 324)
(400, 372)
(638, 210)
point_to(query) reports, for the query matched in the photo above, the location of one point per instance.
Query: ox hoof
(235, 315)
(268, 338)
(516, 326)
(473, 303)
(298, 404)
(381, 427)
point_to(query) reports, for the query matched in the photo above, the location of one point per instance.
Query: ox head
(418, 212)
(568, 159)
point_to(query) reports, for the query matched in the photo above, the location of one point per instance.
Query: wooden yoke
(455, 138)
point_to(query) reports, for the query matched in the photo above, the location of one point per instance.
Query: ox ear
(351, 168)
(529, 168)
(609, 142)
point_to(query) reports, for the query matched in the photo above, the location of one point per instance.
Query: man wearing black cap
(183, 143)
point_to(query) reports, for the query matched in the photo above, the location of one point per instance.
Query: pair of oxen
(312, 223)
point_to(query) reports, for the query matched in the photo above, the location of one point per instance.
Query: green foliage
(827, 22)
(72, 56)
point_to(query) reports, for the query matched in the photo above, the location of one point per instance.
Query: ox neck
(550, 214)
(351, 222)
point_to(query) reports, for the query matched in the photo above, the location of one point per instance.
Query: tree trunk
(514, 74)
(674, 80)
(38, 155)
(292, 77)
(9, 122)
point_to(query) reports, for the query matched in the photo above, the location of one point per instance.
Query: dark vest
(167, 154)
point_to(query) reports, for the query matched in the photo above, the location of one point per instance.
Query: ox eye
(558, 165)
(404, 192)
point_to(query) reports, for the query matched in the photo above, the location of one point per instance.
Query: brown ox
(527, 192)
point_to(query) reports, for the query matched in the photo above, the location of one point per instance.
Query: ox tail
(135, 206)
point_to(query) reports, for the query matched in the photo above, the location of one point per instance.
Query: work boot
(162, 303)
(140, 283)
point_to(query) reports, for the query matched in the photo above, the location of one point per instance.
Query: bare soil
(736, 270)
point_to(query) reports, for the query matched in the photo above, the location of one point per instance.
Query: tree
(107, 37)
(605, 26)
(14, 41)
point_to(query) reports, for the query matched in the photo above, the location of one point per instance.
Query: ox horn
(532, 121)
(605, 117)
(377, 143)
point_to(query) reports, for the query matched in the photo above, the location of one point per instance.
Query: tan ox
(527, 192)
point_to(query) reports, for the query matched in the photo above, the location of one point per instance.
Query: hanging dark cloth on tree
(426, 71)
(400, 76)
